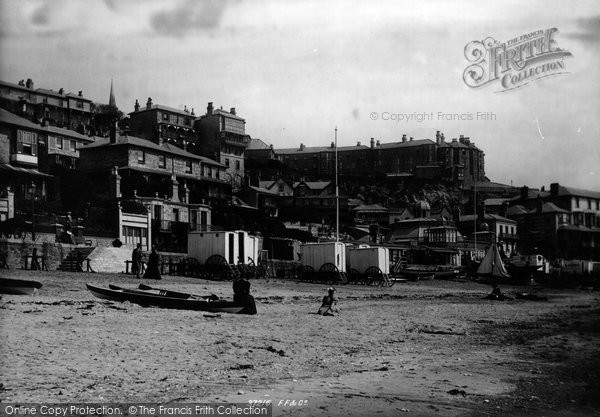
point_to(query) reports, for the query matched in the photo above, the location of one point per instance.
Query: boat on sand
(149, 298)
(18, 286)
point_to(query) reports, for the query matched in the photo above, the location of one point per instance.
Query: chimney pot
(301, 146)
(372, 142)
(378, 143)
(149, 103)
(358, 143)
(411, 138)
(136, 106)
(403, 138)
(332, 145)
(209, 108)
(442, 139)
(232, 111)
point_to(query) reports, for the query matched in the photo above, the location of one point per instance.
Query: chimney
(461, 139)
(149, 103)
(192, 113)
(332, 145)
(524, 192)
(113, 132)
(174, 189)
(554, 189)
(467, 140)
(29, 84)
(372, 143)
(358, 143)
(539, 204)
(209, 108)
(438, 137)
(403, 138)
(302, 146)
(411, 139)
(504, 208)
(232, 111)
(454, 140)
(378, 143)
(115, 183)
(136, 106)
(442, 138)
(80, 94)
(61, 91)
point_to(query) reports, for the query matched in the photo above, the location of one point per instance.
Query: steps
(73, 257)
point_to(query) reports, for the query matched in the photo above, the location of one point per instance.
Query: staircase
(75, 255)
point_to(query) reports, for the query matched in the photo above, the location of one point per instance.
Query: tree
(104, 115)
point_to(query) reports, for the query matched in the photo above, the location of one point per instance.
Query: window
(73, 145)
(79, 104)
(209, 172)
(188, 166)
(26, 143)
(227, 161)
(162, 161)
(141, 157)
(59, 143)
(281, 188)
(237, 165)
(165, 116)
(577, 202)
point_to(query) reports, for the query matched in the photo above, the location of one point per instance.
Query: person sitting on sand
(241, 294)
(496, 294)
(329, 304)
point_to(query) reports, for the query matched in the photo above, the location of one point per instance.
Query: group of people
(152, 267)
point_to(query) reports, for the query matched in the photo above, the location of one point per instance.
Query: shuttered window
(27, 143)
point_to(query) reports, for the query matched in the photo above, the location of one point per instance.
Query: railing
(508, 236)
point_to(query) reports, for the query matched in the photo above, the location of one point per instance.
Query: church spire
(111, 100)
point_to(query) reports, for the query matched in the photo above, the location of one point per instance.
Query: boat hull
(18, 286)
(152, 300)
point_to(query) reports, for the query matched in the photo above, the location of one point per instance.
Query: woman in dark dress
(153, 268)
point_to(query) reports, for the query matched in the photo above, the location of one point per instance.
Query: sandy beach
(428, 348)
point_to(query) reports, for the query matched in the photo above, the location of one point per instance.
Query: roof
(26, 171)
(407, 144)
(577, 192)
(495, 201)
(256, 144)
(164, 108)
(549, 208)
(222, 112)
(143, 143)
(516, 210)
(263, 190)
(371, 208)
(487, 216)
(266, 184)
(314, 185)
(11, 118)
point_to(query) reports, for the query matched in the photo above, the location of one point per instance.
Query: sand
(427, 348)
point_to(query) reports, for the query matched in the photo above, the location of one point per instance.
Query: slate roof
(143, 143)
(11, 118)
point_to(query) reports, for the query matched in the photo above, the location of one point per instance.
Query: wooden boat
(146, 289)
(147, 298)
(18, 286)
(422, 272)
(491, 267)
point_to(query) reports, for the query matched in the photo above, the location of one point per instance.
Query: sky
(297, 69)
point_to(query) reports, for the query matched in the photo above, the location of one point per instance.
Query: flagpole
(337, 194)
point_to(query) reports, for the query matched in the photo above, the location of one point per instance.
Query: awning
(23, 171)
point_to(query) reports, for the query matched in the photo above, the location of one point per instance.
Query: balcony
(25, 159)
(508, 236)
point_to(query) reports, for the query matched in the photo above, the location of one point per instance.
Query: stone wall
(14, 252)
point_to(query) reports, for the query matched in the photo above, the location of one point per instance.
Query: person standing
(136, 261)
(153, 268)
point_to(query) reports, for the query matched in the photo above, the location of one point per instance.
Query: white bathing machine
(315, 255)
(362, 258)
(235, 246)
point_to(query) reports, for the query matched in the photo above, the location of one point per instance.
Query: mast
(475, 220)
(337, 194)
